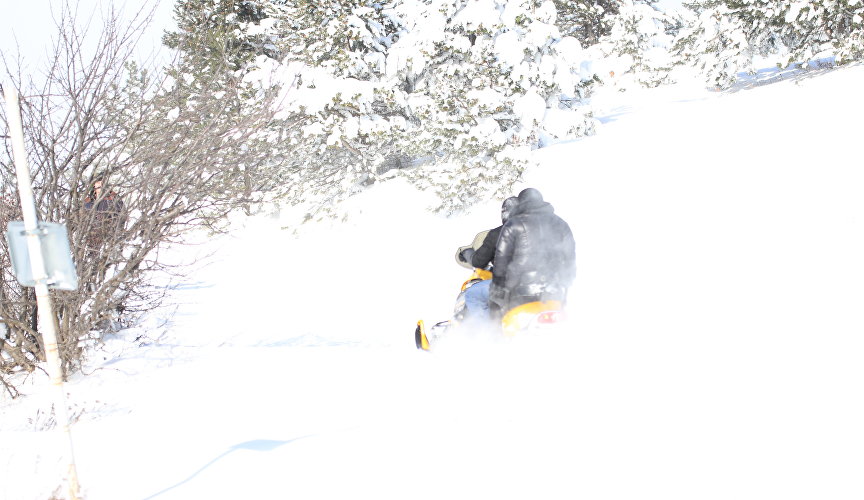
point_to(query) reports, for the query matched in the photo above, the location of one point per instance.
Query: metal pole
(47, 324)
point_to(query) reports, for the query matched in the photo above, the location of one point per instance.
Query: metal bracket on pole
(32, 234)
(56, 255)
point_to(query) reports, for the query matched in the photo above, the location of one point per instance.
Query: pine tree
(341, 141)
(716, 43)
(726, 34)
(427, 89)
(219, 44)
(807, 28)
(216, 31)
(640, 39)
(586, 20)
(481, 110)
(347, 38)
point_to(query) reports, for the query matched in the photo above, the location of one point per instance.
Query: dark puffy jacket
(486, 253)
(107, 219)
(535, 258)
(107, 208)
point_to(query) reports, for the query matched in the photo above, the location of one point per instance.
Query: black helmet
(530, 194)
(507, 208)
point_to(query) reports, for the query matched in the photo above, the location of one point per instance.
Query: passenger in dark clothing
(485, 255)
(535, 257)
(477, 295)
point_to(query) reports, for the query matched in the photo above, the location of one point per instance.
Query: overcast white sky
(29, 26)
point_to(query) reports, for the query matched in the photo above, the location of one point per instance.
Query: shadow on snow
(254, 445)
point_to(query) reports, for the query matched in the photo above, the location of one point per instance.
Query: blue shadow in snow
(198, 285)
(254, 445)
(615, 115)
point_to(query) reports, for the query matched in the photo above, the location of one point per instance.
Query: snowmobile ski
(420, 338)
(425, 339)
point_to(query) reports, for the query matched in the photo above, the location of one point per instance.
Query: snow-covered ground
(714, 349)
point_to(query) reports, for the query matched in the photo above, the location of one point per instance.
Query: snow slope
(714, 348)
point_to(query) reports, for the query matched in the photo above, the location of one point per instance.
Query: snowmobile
(522, 319)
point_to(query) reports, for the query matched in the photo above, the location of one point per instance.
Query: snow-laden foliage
(586, 20)
(724, 35)
(639, 43)
(345, 38)
(815, 27)
(222, 32)
(500, 82)
(450, 94)
(220, 44)
(338, 116)
(716, 42)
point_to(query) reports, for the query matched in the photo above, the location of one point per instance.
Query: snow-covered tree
(219, 43)
(348, 38)
(490, 84)
(716, 42)
(724, 35)
(344, 118)
(450, 93)
(810, 28)
(586, 20)
(639, 43)
(456, 90)
(224, 32)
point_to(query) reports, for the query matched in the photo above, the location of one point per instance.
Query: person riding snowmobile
(535, 257)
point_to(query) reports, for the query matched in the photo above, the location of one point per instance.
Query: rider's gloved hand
(467, 254)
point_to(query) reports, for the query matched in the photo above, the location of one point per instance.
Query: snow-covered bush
(638, 43)
(449, 94)
(341, 116)
(814, 28)
(181, 152)
(586, 20)
(221, 33)
(724, 35)
(488, 88)
(716, 42)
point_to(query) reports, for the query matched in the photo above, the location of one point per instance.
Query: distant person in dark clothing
(107, 204)
(535, 258)
(107, 214)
